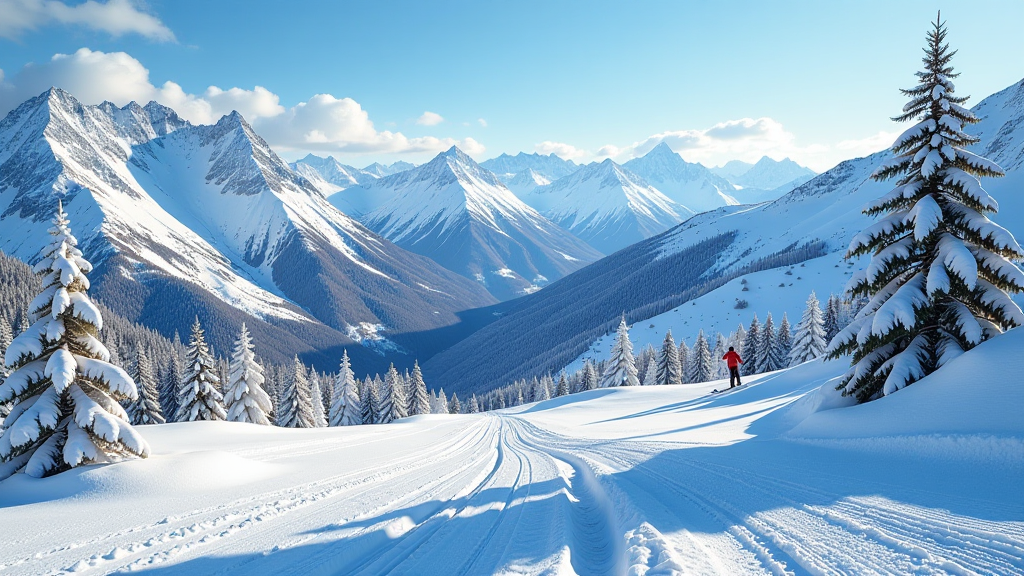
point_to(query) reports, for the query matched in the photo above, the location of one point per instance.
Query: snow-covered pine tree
(64, 391)
(454, 407)
(245, 398)
(721, 369)
(831, 322)
(419, 398)
(784, 342)
(317, 399)
(768, 358)
(702, 368)
(393, 404)
(198, 397)
(621, 370)
(590, 379)
(5, 340)
(940, 270)
(473, 406)
(346, 408)
(669, 370)
(543, 390)
(750, 347)
(737, 339)
(442, 403)
(810, 334)
(519, 398)
(651, 372)
(145, 409)
(684, 361)
(369, 415)
(563, 386)
(296, 407)
(169, 388)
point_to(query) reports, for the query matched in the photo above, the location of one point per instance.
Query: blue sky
(816, 81)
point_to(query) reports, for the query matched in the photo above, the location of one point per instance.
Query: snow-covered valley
(778, 477)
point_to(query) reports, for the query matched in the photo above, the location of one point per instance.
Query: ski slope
(777, 477)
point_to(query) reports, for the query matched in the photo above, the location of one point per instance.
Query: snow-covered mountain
(525, 182)
(550, 167)
(607, 205)
(460, 215)
(691, 185)
(701, 258)
(769, 174)
(329, 175)
(732, 169)
(208, 219)
(379, 170)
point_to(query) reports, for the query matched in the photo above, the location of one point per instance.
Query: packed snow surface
(780, 476)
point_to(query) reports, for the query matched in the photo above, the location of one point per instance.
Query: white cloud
(115, 17)
(560, 149)
(429, 119)
(322, 124)
(479, 121)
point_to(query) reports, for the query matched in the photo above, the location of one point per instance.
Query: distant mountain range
(463, 217)
(184, 219)
(768, 179)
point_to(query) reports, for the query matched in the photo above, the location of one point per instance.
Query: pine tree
(684, 361)
(419, 399)
(669, 369)
(831, 323)
(245, 399)
(442, 403)
(454, 407)
(198, 397)
(317, 399)
(64, 391)
(369, 398)
(543, 390)
(519, 398)
(5, 341)
(701, 364)
(783, 342)
(590, 380)
(768, 359)
(473, 407)
(296, 407)
(622, 370)
(651, 373)
(940, 270)
(145, 409)
(563, 386)
(810, 334)
(393, 401)
(169, 387)
(721, 369)
(750, 347)
(346, 409)
(737, 339)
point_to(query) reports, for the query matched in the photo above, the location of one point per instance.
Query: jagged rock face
(215, 207)
(462, 216)
(691, 185)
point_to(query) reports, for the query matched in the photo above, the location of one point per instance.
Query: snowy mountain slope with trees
(210, 217)
(461, 216)
(607, 205)
(780, 476)
(691, 185)
(816, 219)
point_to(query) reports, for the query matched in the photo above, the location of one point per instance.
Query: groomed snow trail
(663, 480)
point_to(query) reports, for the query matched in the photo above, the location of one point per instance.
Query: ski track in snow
(502, 494)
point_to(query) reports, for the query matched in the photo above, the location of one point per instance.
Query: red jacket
(732, 358)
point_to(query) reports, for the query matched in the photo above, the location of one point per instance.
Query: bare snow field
(780, 476)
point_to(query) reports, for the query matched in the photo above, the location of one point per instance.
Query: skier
(733, 360)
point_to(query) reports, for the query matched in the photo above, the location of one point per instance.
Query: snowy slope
(463, 217)
(525, 182)
(607, 205)
(379, 170)
(210, 217)
(774, 478)
(691, 185)
(550, 167)
(731, 169)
